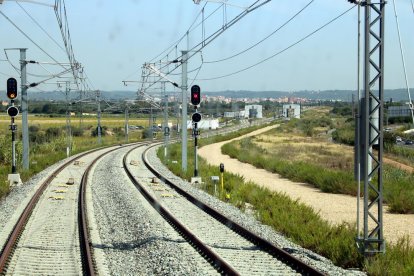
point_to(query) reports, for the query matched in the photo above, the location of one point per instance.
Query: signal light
(11, 88)
(13, 111)
(196, 117)
(195, 95)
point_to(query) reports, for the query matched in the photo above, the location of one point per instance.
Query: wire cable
(280, 52)
(183, 36)
(193, 51)
(37, 23)
(265, 38)
(30, 74)
(191, 30)
(27, 36)
(1, 73)
(403, 60)
(198, 70)
(254, 6)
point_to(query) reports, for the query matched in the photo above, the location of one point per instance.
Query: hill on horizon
(326, 95)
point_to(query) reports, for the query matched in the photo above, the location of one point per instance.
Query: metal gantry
(370, 140)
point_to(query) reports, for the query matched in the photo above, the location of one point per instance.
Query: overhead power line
(37, 23)
(403, 61)
(197, 48)
(182, 37)
(174, 45)
(280, 52)
(265, 38)
(28, 37)
(61, 16)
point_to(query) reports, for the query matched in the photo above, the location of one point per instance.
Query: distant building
(204, 124)
(229, 114)
(235, 114)
(253, 111)
(398, 111)
(291, 111)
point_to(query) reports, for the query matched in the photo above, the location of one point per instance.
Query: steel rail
(269, 247)
(7, 250)
(85, 245)
(219, 264)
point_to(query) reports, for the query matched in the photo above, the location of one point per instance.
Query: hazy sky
(112, 39)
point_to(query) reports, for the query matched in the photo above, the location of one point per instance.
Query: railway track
(51, 235)
(230, 248)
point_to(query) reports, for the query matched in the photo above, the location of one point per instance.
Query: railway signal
(222, 176)
(13, 111)
(11, 88)
(195, 95)
(196, 117)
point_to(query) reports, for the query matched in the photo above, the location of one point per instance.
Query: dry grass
(45, 122)
(294, 147)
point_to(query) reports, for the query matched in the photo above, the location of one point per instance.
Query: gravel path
(332, 207)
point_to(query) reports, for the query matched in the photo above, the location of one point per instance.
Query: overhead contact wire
(182, 37)
(280, 52)
(28, 37)
(37, 23)
(265, 38)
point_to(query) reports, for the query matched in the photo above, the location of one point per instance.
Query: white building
(253, 111)
(291, 111)
(235, 114)
(204, 124)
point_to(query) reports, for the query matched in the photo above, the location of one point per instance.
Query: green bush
(119, 131)
(398, 188)
(398, 260)
(77, 131)
(297, 221)
(94, 132)
(53, 132)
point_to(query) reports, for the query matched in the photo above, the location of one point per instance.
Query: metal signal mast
(369, 141)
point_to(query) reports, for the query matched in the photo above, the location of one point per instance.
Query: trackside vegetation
(48, 143)
(295, 220)
(398, 185)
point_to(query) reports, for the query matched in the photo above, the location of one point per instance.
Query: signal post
(13, 111)
(196, 118)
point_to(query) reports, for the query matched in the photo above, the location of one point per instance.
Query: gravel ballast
(250, 222)
(134, 237)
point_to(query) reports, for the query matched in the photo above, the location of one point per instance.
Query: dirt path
(332, 207)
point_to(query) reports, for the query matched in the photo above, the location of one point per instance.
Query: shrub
(119, 131)
(53, 132)
(34, 128)
(289, 217)
(77, 131)
(94, 132)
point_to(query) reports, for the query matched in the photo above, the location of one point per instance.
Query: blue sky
(112, 39)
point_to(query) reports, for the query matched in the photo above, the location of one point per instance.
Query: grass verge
(295, 220)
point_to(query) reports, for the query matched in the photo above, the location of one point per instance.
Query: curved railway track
(51, 235)
(229, 247)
